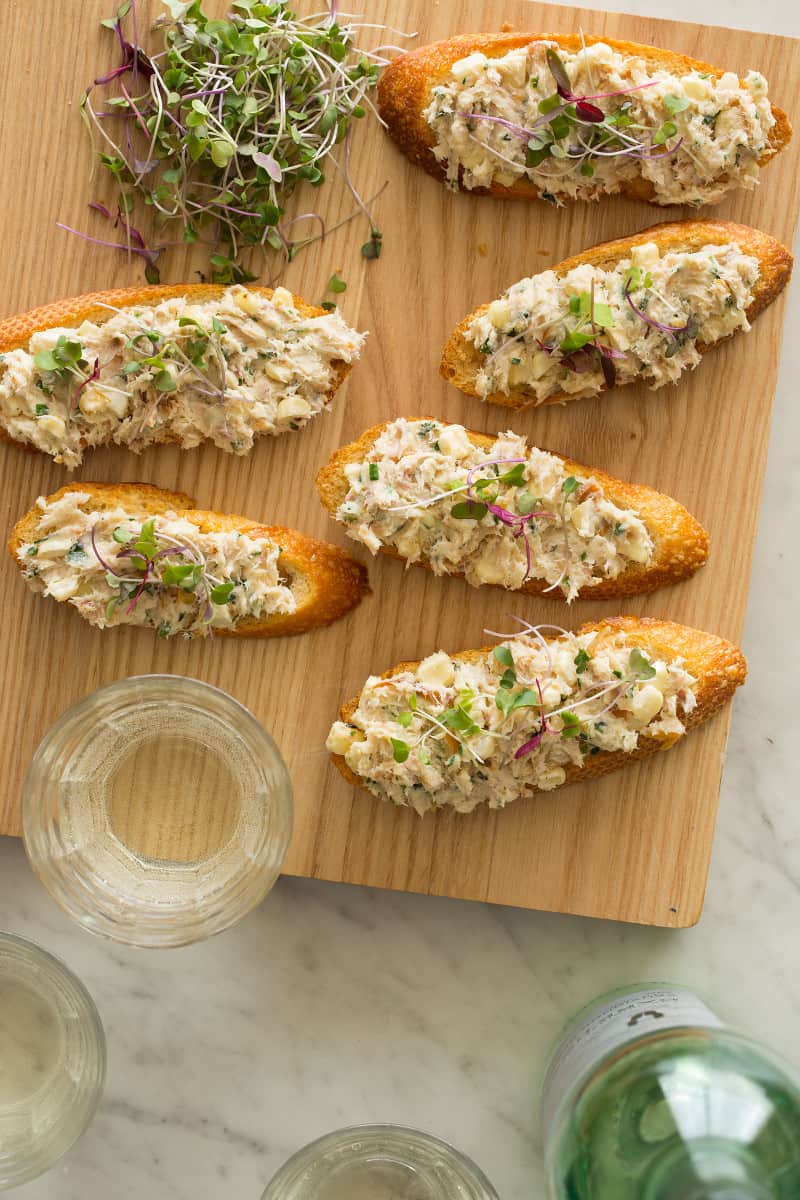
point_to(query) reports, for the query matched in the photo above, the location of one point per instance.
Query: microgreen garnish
(662, 135)
(400, 750)
(215, 128)
(372, 248)
(504, 656)
(469, 510)
(675, 104)
(534, 741)
(335, 284)
(588, 131)
(570, 485)
(582, 345)
(458, 717)
(149, 558)
(640, 664)
(581, 660)
(64, 359)
(571, 724)
(374, 471)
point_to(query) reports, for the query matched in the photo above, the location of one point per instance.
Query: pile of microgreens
(512, 695)
(216, 130)
(481, 499)
(593, 133)
(165, 362)
(154, 560)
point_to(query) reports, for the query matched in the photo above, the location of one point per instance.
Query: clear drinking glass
(52, 1060)
(379, 1162)
(157, 811)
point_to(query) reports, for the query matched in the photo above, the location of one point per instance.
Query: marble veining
(334, 1005)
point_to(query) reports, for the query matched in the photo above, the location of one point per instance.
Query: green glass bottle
(648, 1097)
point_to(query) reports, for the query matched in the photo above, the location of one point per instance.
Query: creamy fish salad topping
(642, 319)
(579, 125)
(518, 719)
(500, 515)
(225, 370)
(164, 572)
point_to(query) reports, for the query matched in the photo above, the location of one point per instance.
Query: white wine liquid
(159, 812)
(30, 1042)
(380, 1180)
(172, 799)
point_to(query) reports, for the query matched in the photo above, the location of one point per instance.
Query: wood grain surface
(634, 846)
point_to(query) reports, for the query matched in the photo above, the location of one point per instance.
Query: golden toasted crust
(404, 92)
(16, 331)
(681, 542)
(326, 581)
(718, 666)
(461, 360)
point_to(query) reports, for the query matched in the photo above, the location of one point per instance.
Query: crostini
(498, 511)
(131, 554)
(568, 117)
(182, 364)
(540, 709)
(640, 309)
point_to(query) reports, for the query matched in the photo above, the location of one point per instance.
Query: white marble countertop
(334, 1005)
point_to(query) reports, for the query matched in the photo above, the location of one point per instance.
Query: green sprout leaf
(400, 750)
(569, 485)
(575, 340)
(662, 135)
(504, 656)
(581, 660)
(221, 593)
(640, 664)
(469, 510)
(675, 104)
(335, 284)
(571, 724)
(515, 477)
(372, 248)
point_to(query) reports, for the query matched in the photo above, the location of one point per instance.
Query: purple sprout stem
(533, 742)
(148, 255)
(73, 404)
(100, 558)
(674, 330)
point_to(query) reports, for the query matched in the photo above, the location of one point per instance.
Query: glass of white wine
(379, 1162)
(157, 811)
(52, 1060)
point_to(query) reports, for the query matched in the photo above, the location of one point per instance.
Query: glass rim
(78, 893)
(406, 1134)
(53, 1142)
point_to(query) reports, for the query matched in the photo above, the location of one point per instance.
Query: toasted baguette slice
(717, 666)
(462, 360)
(154, 416)
(406, 86)
(324, 581)
(680, 542)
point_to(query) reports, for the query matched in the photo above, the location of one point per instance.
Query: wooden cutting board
(634, 846)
